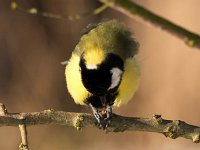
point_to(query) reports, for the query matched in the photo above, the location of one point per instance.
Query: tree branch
(143, 15)
(130, 9)
(169, 128)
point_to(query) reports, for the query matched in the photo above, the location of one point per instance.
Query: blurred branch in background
(143, 15)
(34, 11)
(128, 8)
(170, 128)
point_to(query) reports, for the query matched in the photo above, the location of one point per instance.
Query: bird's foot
(103, 116)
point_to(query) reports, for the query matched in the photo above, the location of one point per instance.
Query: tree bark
(169, 128)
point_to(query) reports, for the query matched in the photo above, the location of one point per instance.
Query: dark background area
(32, 79)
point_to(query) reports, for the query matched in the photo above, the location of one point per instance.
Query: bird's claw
(102, 116)
(103, 122)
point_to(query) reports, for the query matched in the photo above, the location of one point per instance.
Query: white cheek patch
(116, 76)
(91, 66)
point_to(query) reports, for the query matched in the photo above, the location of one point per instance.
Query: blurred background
(32, 78)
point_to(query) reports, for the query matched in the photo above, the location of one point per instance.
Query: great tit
(102, 71)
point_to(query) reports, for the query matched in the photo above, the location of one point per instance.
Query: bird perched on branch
(102, 71)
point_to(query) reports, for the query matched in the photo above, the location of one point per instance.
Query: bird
(102, 72)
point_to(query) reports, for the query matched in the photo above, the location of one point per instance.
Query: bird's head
(100, 71)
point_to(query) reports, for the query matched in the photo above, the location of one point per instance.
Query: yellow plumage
(94, 56)
(129, 83)
(79, 93)
(94, 46)
(102, 71)
(74, 83)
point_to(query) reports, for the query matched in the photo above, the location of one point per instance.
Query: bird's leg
(109, 111)
(108, 115)
(108, 107)
(99, 114)
(96, 113)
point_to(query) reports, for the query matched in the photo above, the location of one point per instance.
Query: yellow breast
(79, 93)
(73, 79)
(129, 82)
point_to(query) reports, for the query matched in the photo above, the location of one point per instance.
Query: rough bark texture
(170, 128)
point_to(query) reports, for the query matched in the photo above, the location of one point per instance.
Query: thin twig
(23, 131)
(35, 11)
(3, 110)
(143, 15)
(170, 128)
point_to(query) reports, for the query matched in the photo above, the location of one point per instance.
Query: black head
(104, 77)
